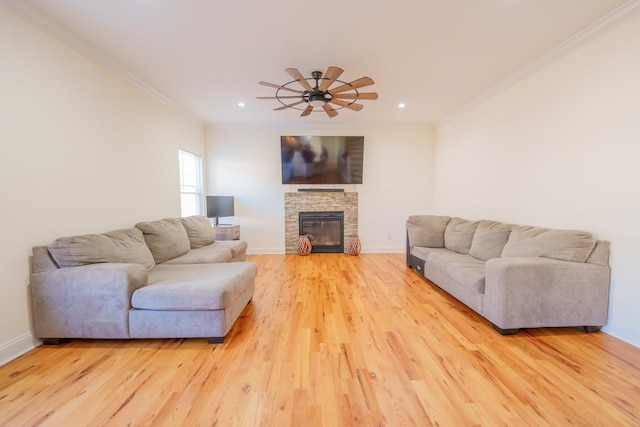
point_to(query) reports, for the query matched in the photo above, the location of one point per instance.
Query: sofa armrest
(90, 301)
(523, 292)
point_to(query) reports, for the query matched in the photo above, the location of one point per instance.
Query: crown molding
(618, 16)
(73, 41)
(320, 127)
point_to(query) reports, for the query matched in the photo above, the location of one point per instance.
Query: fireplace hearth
(324, 229)
(326, 201)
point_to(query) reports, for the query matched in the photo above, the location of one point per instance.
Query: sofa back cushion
(126, 246)
(43, 261)
(199, 231)
(489, 239)
(565, 245)
(427, 230)
(166, 238)
(600, 254)
(458, 235)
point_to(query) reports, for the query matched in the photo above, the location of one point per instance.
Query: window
(191, 188)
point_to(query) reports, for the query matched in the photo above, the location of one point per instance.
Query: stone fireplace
(324, 202)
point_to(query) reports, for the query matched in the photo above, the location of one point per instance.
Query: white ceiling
(205, 56)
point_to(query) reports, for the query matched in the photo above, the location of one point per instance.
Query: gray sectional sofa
(160, 279)
(514, 276)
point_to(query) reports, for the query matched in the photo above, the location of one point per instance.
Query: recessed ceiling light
(402, 105)
(241, 104)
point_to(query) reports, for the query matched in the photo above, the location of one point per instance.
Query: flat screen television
(218, 206)
(322, 159)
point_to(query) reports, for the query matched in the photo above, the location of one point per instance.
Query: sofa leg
(591, 329)
(215, 340)
(50, 341)
(506, 331)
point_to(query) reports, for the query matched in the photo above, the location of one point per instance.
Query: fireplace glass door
(325, 231)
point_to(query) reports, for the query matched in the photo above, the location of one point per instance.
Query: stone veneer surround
(304, 201)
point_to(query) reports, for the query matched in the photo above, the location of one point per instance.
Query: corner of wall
(17, 347)
(622, 333)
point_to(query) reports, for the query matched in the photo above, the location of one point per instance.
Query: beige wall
(397, 182)
(80, 152)
(559, 149)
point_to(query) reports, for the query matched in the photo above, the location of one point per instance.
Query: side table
(227, 232)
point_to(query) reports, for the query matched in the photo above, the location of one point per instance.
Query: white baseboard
(627, 335)
(17, 347)
(280, 251)
(370, 250)
(265, 251)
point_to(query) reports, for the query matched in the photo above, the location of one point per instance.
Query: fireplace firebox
(324, 229)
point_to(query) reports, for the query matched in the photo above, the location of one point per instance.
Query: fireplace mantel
(297, 202)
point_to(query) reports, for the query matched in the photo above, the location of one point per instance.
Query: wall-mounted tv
(322, 159)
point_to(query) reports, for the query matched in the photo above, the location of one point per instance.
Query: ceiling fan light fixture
(317, 100)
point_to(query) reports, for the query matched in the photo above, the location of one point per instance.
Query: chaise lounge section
(160, 279)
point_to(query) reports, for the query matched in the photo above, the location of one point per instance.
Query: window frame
(190, 189)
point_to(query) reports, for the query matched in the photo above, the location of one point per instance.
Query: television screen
(322, 159)
(219, 206)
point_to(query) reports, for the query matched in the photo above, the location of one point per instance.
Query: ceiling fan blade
(329, 110)
(307, 111)
(350, 106)
(293, 72)
(278, 97)
(356, 84)
(330, 76)
(360, 95)
(280, 87)
(289, 105)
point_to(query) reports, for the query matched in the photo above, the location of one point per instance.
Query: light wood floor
(333, 340)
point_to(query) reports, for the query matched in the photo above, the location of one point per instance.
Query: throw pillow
(199, 230)
(166, 238)
(489, 239)
(427, 230)
(459, 234)
(126, 246)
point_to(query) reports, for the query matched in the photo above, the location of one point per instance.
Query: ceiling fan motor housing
(317, 99)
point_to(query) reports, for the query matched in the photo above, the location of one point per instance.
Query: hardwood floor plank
(334, 340)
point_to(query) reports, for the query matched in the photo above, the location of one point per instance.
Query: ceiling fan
(321, 95)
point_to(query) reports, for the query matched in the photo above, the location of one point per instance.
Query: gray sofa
(161, 279)
(514, 276)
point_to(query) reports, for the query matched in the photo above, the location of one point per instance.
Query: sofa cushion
(237, 247)
(489, 239)
(166, 238)
(423, 252)
(470, 276)
(204, 255)
(458, 234)
(194, 286)
(565, 245)
(441, 260)
(199, 230)
(427, 230)
(120, 246)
